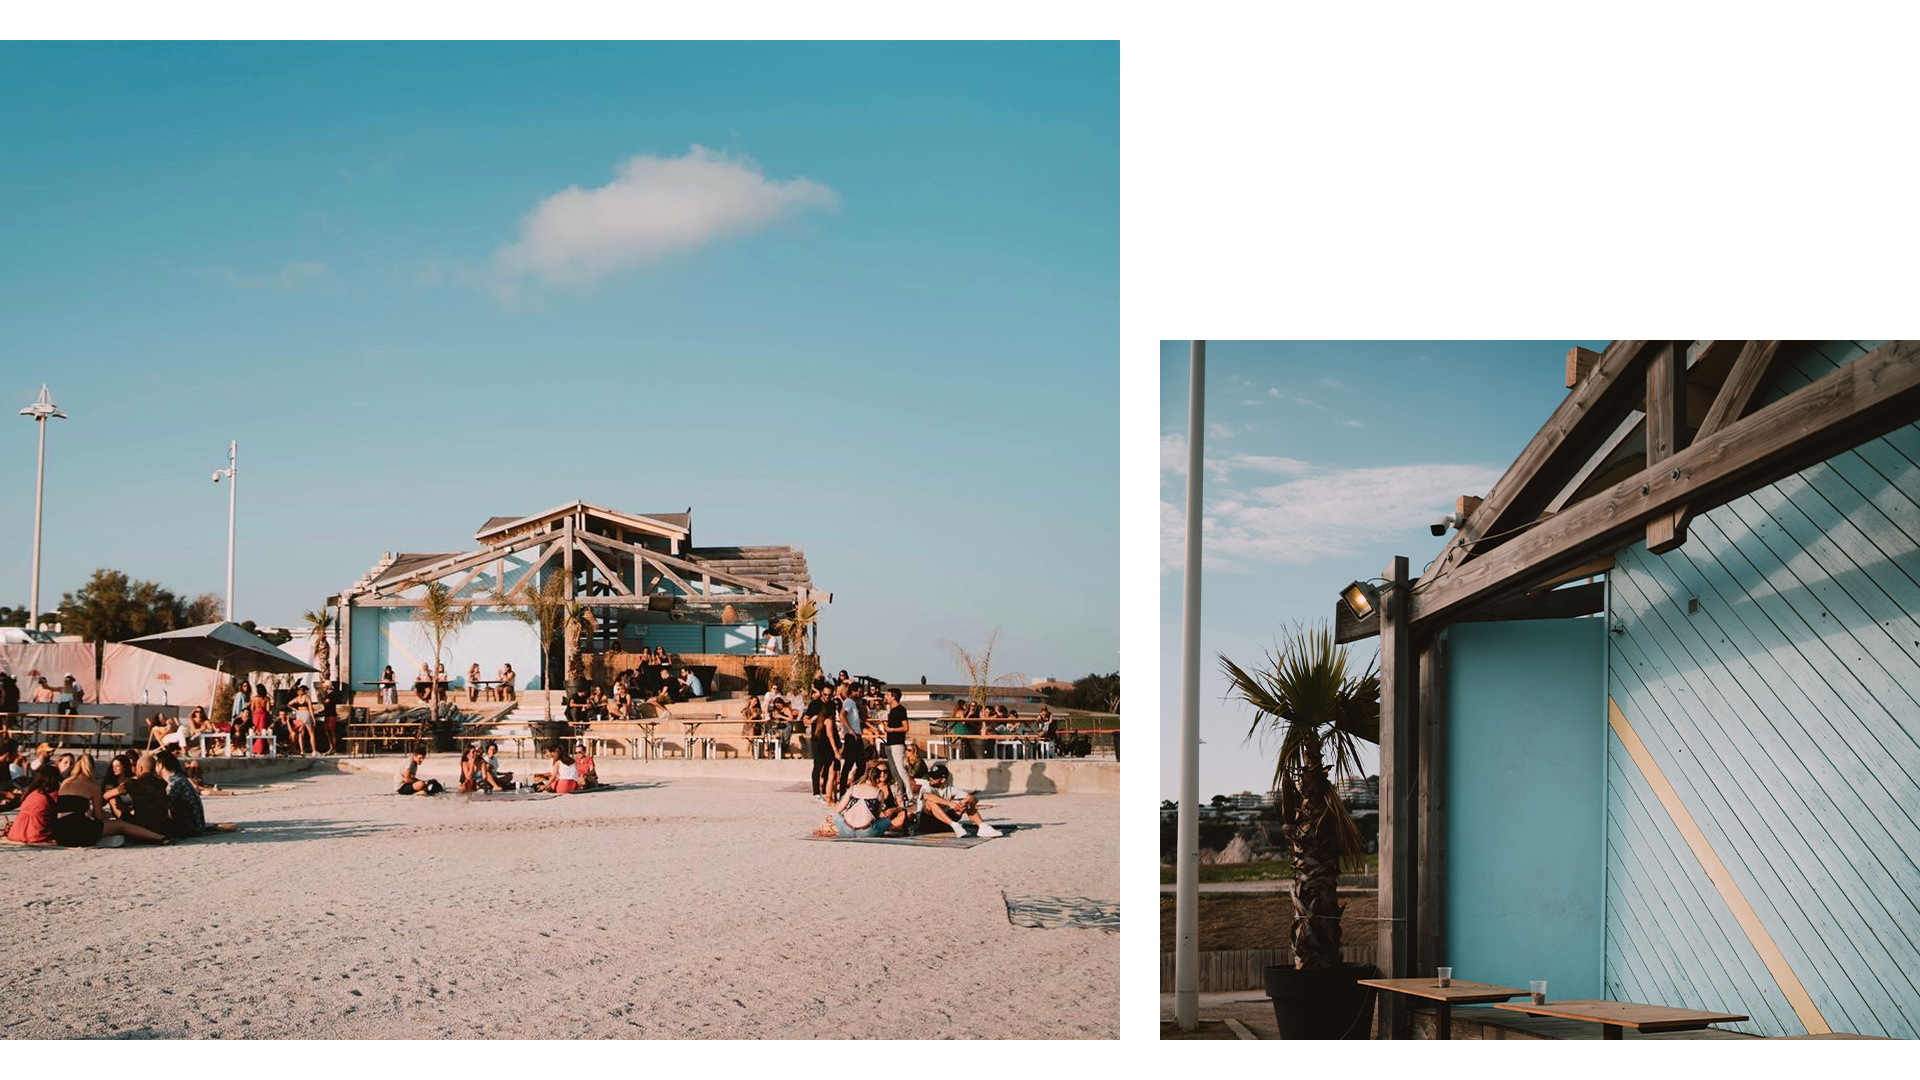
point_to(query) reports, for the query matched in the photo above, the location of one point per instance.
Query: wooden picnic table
(519, 739)
(377, 732)
(1459, 991)
(1613, 1016)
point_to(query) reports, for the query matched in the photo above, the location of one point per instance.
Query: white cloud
(1220, 431)
(1319, 513)
(1273, 391)
(291, 276)
(1332, 383)
(1173, 459)
(653, 207)
(1353, 423)
(1251, 401)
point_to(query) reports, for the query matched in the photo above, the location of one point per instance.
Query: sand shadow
(289, 831)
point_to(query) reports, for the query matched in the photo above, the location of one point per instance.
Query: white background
(1381, 171)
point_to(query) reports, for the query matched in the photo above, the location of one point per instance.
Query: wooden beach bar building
(646, 582)
(1650, 722)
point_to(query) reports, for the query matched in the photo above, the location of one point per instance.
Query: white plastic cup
(1539, 991)
(1446, 977)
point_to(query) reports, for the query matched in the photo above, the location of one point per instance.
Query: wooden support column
(1398, 778)
(343, 665)
(1666, 433)
(1430, 949)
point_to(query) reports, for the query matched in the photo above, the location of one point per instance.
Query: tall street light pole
(231, 476)
(41, 411)
(1186, 956)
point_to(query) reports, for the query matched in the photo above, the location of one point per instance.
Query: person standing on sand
(410, 782)
(896, 733)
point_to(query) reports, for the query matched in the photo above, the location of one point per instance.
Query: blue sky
(1324, 461)
(863, 298)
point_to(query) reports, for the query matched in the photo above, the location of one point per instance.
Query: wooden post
(1666, 432)
(1398, 778)
(1430, 859)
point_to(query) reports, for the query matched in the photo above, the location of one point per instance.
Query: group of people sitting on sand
(571, 769)
(61, 798)
(875, 778)
(874, 805)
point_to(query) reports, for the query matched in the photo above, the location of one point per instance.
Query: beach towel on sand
(935, 840)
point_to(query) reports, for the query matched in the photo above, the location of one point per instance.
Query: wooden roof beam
(1666, 431)
(1743, 382)
(1863, 400)
(1577, 427)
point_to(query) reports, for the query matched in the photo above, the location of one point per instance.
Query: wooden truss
(1652, 434)
(612, 572)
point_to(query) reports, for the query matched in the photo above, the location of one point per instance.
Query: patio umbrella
(224, 647)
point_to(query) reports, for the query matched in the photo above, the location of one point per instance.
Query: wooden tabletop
(1460, 992)
(1625, 1014)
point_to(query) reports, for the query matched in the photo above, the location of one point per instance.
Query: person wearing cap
(950, 805)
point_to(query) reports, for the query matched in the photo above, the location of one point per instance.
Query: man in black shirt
(897, 743)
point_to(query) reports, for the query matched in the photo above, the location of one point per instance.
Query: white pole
(1186, 957)
(233, 482)
(39, 486)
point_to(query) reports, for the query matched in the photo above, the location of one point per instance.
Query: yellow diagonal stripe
(1736, 901)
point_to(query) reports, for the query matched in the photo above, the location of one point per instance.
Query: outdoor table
(380, 733)
(1444, 998)
(1612, 1016)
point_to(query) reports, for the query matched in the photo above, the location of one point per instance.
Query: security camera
(216, 479)
(1451, 521)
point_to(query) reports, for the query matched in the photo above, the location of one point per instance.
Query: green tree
(319, 625)
(113, 607)
(544, 608)
(1092, 693)
(441, 616)
(13, 616)
(1307, 695)
(270, 635)
(794, 629)
(979, 669)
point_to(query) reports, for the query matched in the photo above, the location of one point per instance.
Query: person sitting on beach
(950, 805)
(80, 815)
(147, 796)
(473, 681)
(113, 793)
(504, 691)
(34, 823)
(185, 814)
(582, 760)
(863, 810)
(565, 777)
(469, 769)
(410, 782)
(13, 775)
(423, 683)
(492, 764)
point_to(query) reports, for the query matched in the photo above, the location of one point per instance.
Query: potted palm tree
(319, 626)
(543, 608)
(1321, 707)
(441, 616)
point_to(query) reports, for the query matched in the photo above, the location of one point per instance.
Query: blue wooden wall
(1526, 723)
(1771, 666)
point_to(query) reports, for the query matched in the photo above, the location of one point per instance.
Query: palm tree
(792, 629)
(442, 617)
(979, 669)
(319, 624)
(578, 625)
(1307, 694)
(542, 608)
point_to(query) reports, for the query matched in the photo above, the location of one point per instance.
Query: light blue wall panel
(1772, 667)
(675, 637)
(736, 638)
(1525, 758)
(383, 636)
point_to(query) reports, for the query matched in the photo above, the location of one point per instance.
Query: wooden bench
(519, 738)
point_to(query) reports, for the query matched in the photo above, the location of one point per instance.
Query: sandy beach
(671, 908)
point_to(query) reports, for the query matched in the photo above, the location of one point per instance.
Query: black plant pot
(1324, 1004)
